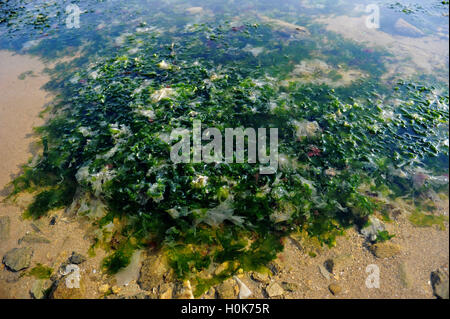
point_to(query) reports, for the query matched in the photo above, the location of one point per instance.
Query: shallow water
(303, 42)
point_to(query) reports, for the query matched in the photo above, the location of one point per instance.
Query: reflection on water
(415, 32)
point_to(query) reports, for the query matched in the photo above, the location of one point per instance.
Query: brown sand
(20, 104)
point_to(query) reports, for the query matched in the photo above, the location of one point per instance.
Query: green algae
(420, 219)
(40, 272)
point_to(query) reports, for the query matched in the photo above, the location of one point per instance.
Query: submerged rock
(371, 232)
(18, 258)
(34, 239)
(440, 283)
(324, 272)
(261, 277)
(152, 272)
(228, 289)
(77, 258)
(64, 288)
(385, 250)
(165, 291)
(335, 289)
(183, 290)
(40, 288)
(274, 290)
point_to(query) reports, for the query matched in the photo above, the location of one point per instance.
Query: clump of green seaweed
(106, 149)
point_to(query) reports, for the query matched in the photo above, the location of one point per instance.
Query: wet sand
(20, 104)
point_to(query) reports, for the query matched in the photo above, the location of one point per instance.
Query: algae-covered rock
(183, 290)
(335, 289)
(77, 258)
(40, 288)
(385, 250)
(228, 289)
(440, 283)
(67, 288)
(18, 258)
(34, 239)
(153, 271)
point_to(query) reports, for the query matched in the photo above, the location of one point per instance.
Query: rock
(76, 258)
(261, 277)
(35, 227)
(274, 290)
(275, 266)
(152, 272)
(407, 29)
(115, 289)
(325, 273)
(4, 227)
(440, 283)
(370, 232)
(335, 289)
(64, 288)
(40, 288)
(222, 267)
(183, 290)
(244, 291)
(289, 286)
(228, 289)
(52, 221)
(103, 289)
(385, 250)
(18, 258)
(338, 264)
(34, 239)
(165, 291)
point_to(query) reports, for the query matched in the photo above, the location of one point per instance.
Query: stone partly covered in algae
(153, 271)
(77, 258)
(385, 250)
(335, 289)
(18, 258)
(371, 231)
(39, 288)
(4, 227)
(261, 277)
(165, 291)
(34, 239)
(183, 290)
(68, 288)
(228, 289)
